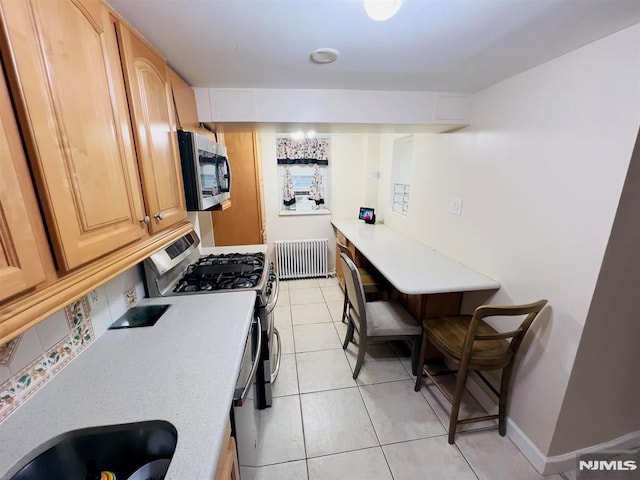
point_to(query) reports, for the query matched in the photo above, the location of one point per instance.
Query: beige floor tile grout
(312, 323)
(346, 451)
(321, 350)
(280, 463)
(304, 441)
(369, 415)
(387, 462)
(328, 390)
(466, 460)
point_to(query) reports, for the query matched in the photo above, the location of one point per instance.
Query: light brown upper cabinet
(243, 223)
(184, 100)
(20, 264)
(153, 118)
(66, 79)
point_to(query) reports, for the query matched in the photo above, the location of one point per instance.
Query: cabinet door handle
(146, 220)
(159, 216)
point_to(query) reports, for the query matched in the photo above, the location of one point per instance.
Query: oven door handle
(272, 304)
(241, 393)
(274, 374)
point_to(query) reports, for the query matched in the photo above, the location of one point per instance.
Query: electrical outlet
(131, 297)
(97, 296)
(93, 297)
(455, 206)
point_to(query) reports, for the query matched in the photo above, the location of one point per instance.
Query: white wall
(346, 191)
(607, 367)
(203, 226)
(372, 170)
(540, 173)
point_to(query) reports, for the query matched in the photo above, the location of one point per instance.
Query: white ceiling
(438, 45)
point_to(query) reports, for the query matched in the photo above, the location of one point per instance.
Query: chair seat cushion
(389, 318)
(447, 333)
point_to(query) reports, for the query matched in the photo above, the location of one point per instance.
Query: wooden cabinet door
(339, 273)
(184, 100)
(20, 264)
(152, 113)
(66, 78)
(228, 468)
(242, 223)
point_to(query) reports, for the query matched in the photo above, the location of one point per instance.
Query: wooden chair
(470, 341)
(369, 283)
(380, 320)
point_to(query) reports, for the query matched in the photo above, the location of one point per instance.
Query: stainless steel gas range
(182, 268)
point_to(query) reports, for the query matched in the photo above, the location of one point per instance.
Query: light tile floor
(324, 425)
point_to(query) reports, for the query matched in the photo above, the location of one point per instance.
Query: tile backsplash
(30, 360)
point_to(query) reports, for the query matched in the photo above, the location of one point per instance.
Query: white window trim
(293, 213)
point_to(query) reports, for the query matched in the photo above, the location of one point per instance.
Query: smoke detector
(324, 55)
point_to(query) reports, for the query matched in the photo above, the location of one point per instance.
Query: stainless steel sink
(80, 454)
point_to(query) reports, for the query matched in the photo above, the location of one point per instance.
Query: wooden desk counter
(410, 266)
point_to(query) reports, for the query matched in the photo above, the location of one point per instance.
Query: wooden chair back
(476, 346)
(516, 336)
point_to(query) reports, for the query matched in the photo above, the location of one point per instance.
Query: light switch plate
(455, 206)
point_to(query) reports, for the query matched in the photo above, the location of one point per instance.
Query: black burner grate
(225, 271)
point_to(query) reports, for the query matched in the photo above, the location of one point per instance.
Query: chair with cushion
(369, 283)
(380, 320)
(476, 346)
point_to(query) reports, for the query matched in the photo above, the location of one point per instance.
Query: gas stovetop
(222, 272)
(182, 269)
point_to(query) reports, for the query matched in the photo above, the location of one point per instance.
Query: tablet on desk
(367, 214)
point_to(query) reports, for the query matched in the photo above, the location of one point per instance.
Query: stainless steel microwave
(205, 171)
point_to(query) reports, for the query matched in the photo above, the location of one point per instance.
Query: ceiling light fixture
(300, 135)
(381, 10)
(324, 55)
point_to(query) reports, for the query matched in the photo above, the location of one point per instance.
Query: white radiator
(302, 258)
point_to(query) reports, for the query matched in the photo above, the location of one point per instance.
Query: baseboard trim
(543, 464)
(567, 461)
(487, 400)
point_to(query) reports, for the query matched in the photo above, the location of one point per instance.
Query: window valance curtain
(303, 152)
(288, 194)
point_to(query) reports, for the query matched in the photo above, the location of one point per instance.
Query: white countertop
(182, 370)
(410, 266)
